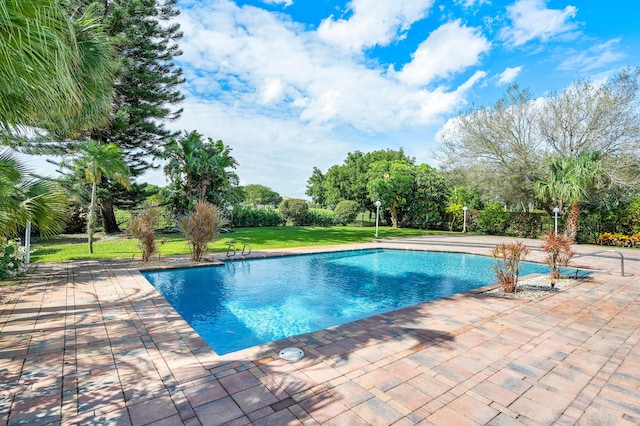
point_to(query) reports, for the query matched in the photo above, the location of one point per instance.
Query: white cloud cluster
(509, 75)
(449, 49)
(283, 2)
(593, 58)
(288, 96)
(531, 19)
(250, 56)
(373, 22)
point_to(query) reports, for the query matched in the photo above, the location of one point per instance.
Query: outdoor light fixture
(464, 219)
(378, 204)
(555, 215)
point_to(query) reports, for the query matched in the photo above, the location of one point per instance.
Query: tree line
(576, 150)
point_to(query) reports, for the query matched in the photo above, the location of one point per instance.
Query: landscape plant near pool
(200, 227)
(509, 257)
(559, 253)
(141, 227)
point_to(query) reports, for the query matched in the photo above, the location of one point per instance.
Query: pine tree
(147, 86)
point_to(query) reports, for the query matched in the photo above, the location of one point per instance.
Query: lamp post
(27, 242)
(555, 216)
(464, 219)
(378, 204)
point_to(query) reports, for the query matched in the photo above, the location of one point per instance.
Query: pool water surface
(250, 302)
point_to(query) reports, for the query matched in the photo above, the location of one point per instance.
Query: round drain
(291, 354)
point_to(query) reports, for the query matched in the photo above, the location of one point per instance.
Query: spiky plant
(200, 227)
(559, 252)
(509, 258)
(142, 227)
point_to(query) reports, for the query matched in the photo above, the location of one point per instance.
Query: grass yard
(63, 248)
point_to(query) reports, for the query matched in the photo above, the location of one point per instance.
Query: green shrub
(12, 259)
(526, 225)
(320, 217)
(76, 222)
(294, 210)
(250, 217)
(493, 219)
(346, 211)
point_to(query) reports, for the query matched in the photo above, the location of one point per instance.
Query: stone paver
(93, 343)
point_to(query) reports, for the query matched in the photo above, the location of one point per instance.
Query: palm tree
(56, 71)
(570, 181)
(100, 160)
(199, 167)
(25, 198)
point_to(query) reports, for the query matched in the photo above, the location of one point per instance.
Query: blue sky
(293, 84)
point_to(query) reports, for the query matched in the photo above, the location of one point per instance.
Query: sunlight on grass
(65, 248)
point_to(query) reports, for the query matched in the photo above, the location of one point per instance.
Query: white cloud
(532, 20)
(284, 2)
(373, 22)
(449, 49)
(596, 57)
(286, 100)
(472, 3)
(509, 75)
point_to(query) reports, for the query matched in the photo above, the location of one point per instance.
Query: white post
(378, 204)
(27, 242)
(464, 219)
(555, 216)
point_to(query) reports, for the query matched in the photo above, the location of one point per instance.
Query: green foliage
(294, 210)
(12, 259)
(320, 217)
(77, 219)
(348, 181)
(493, 219)
(526, 225)
(392, 183)
(146, 88)
(201, 227)
(199, 170)
(64, 248)
(250, 217)
(98, 160)
(261, 195)
(633, 214)
(55, 70)
(509, 258)
(426, 208)
(24, 197)
(346, 211)
(142, 227)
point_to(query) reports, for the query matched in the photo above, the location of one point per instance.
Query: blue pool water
(251, 302)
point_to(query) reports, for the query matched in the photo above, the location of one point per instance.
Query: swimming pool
(251, 302)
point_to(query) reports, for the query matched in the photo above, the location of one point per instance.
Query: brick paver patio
(93, 343)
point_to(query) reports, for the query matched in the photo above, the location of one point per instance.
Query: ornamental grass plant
(509, 257)
(201, 227)
(559, 253)
(142, 227)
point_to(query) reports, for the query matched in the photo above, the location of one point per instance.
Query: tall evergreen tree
(146, 89)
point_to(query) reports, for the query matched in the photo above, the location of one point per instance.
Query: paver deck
(94, 343)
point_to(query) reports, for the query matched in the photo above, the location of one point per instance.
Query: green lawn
(75, 248)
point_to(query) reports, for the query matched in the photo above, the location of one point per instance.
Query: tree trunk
(571, 225)
(394, 217)
(109, 222)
